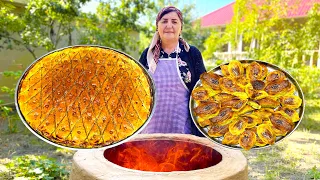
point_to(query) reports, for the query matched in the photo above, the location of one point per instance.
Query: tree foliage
(212, 44)
(278, 40)
(125, 25)
(42, 24)
(115, 24)
(55, 23)
(311, 29)
(192, 31)
(36, 167)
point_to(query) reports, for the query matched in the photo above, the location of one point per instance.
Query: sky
(203, 7)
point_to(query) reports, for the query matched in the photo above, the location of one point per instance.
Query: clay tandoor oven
(161, 156)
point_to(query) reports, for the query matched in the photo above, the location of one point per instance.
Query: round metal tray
(149, 79)
(271, 67)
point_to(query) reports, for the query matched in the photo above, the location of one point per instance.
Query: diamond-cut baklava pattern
(85, 97)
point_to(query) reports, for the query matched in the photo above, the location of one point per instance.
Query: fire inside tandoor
(163, 156)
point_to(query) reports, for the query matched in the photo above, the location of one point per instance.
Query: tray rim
(275, 67)
(153, 93)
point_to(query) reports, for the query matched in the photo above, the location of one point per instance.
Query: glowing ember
(163, 156)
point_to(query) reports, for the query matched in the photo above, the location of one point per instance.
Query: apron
(172, 111)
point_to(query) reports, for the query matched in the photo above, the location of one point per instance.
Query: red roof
(218, 17)
(224, 15)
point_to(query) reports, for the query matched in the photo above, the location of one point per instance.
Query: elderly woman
(175, 67)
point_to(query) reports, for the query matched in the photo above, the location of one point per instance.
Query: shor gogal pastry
(246, 105)
(85, 97)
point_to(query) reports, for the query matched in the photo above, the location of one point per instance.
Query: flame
(163, 156)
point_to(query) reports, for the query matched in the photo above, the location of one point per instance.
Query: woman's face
(169, 27)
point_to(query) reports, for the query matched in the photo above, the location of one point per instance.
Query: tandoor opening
(163, 155)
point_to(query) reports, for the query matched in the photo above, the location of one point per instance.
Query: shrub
(308, 79)
(37, 167)
(314, 173)
(5, 111)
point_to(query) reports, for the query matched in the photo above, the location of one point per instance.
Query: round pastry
(85, 97)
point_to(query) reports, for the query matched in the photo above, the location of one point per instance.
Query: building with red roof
(219, 18)
(223, 16)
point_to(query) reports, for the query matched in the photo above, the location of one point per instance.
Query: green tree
(10, 26)
(43, 24)
(115, 24)
(278, 40)
(311, 29)
(212, 44)
(192, 31)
